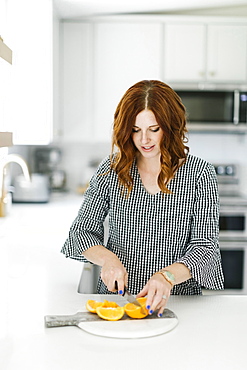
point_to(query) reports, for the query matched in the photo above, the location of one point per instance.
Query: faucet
(3, 163)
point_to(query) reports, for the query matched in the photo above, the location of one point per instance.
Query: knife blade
(127, 295)
(130, 298)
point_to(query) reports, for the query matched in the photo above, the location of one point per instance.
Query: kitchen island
(37, 280)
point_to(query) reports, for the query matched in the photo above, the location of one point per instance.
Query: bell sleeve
(87, 229)
(202, 255)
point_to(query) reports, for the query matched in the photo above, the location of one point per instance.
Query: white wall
(76, 160)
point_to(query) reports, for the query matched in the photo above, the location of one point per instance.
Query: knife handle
(116, 287)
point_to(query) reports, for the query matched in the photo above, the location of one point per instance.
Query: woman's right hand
(113, 273)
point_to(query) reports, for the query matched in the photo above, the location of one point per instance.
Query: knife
(127, 295)
(130, 298)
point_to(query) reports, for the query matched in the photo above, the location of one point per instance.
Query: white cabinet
(205, 52)
(5, 73)
(101, 60)
(28, 108)
(124, 53)
(227, 53)
(184, 46)
(77, 80)
(5, 68)
(102, 57)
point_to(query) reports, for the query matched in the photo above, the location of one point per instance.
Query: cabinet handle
(212, 73)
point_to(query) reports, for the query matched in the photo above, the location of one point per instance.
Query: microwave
(233, 222)
(215, 109)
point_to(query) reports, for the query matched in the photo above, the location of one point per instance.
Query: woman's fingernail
(148, 307)
(120, 292)
(150, 312)
(160, 315)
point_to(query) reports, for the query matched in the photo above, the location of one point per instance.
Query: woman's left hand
(157, 291)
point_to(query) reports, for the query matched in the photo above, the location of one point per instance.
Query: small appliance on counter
(37, 190)
(47, 162)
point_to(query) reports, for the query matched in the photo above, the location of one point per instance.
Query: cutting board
(125, 328)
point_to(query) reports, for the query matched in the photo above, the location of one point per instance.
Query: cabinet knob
(212, 73)
(201, 73)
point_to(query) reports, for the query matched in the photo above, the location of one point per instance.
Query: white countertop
(37, 280)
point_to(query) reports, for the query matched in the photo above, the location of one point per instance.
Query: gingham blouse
(149, 232)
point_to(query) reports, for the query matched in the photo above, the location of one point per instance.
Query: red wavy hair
(170, 114)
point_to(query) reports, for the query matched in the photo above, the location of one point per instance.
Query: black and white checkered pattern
(149, 232)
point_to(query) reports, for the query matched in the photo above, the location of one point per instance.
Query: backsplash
(77, 157)
(222, 148)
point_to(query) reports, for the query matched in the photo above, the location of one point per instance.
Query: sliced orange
(91, 305)
(110, 313)
(135, 311)
(109, 304)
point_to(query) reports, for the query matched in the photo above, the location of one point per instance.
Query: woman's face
(147, 134)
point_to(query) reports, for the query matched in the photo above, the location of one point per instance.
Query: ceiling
(82, 8)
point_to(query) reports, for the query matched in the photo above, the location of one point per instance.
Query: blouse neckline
(138, 176)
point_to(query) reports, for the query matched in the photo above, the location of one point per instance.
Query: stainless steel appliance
(37, 190)
(47, 161)
(234, 261)
(215, 107)
(233, 229)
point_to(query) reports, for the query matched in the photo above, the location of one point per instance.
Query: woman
(162, 204)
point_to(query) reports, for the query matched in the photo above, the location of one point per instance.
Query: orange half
(110, 313)
(136, 312)
(109, 304)
(91, 305)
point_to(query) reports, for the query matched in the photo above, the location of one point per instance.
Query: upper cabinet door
(77, 80)
(124, 54)
(226, 53)
(205, 53)
(29, 111)
(184, 48)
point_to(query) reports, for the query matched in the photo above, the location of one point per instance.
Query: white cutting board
(130, 329)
